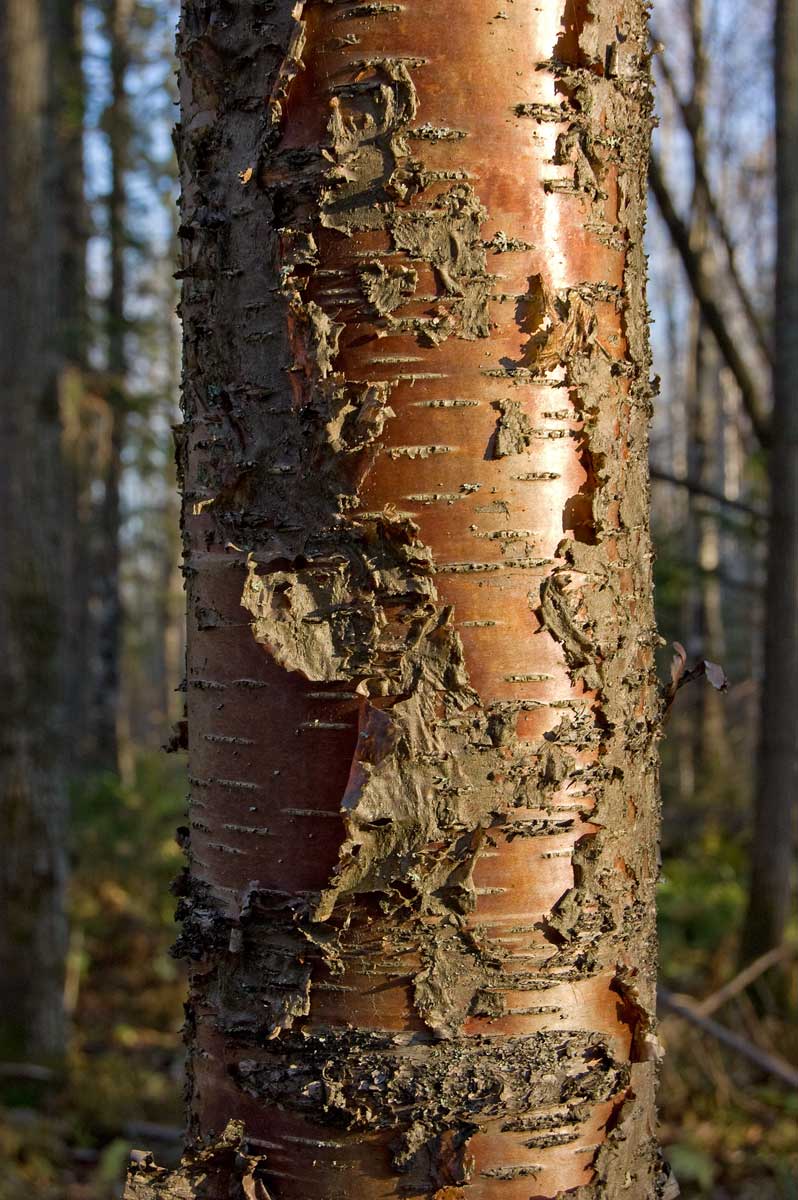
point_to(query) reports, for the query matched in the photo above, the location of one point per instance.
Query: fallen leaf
(245, 176)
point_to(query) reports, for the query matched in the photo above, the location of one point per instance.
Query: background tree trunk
(79, 402)
(773, 840)
(705, 630)
(32, 794)
(422, 701)
(107, 600)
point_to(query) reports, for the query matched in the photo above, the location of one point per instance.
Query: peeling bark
(422, 705)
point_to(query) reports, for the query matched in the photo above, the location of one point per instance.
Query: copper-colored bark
(422, 843)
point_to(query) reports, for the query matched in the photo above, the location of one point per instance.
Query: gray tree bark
(32, 795)
(107, 625)
(704, 602)
(80, 406)
(773, 849)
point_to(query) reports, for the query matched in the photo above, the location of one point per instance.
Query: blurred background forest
(67, 1123)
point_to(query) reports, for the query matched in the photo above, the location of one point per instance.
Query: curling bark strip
(422, 707)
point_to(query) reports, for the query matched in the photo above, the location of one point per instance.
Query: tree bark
(422, 704)
(68, 110)
(773, 838)
(79, 404)
(107, 599)
(695, 383)
(704, 626)
(32, 795)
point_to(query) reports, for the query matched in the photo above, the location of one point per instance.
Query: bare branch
(696, 488)
(744, 979)
(686, 1008)
(753, 317)
(750, 391)
(30, 1071)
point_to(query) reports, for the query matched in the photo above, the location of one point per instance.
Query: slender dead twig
(744, 979)
(147, 1131)
(750, 391)
(699, 489)
(718, 220)
(685, 1007)
(31, 1071)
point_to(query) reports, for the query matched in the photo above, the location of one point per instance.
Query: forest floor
(729, 1131)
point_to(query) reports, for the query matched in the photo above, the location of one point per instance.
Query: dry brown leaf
(716, 676)
(680, 675)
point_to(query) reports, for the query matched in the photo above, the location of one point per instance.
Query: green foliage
(33, 1156)
(130, 988)
(123, 844)
(673, 577)
(728, 1131)
(125, 1056)
(125, 1060)
(691, 1164)
(701, 905)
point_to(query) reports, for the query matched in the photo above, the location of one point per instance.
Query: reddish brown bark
(422, 710)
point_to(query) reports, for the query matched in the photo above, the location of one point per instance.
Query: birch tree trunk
(421, 694)
(32, 794)
(771, 891)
